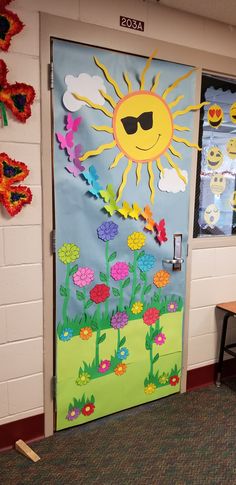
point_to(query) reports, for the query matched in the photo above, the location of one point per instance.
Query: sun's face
(143, 126)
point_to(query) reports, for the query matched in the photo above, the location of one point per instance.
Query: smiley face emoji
(215, 115)
(231, 148)
(217, 183)
(233, 201)
(232, 112)
(211, 215)
(214, 157)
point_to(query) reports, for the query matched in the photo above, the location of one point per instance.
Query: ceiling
(221, 10)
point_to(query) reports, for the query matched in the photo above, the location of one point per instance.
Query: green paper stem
(134, 277)
(84, 300)
(118, 339)
(4, 114)
(144, 287)
(108, 277)
(97, 336)
(67, 296)
(121, 296)
(151, 354)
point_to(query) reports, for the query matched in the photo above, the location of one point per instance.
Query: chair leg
(222, 347)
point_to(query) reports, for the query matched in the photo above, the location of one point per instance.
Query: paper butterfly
(13, 197)
(16, 97)
(91, 178)
(125, 209)
(135, 212)
(108, 196)
(65, 141)
(74, 156)
(10, 25)
(72, 124)
(161, 231)
(147, 215)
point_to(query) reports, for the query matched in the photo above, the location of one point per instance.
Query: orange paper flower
(161, 278)
(85, 333)
(120, 369)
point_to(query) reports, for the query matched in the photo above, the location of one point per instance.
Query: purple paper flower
(172, 307)
(73, 414)
(107, 231)
(119, 320)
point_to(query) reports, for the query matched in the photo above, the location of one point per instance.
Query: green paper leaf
(122, 342)
(148, 289)
(63, 291)
(155, 358)
(73, 269)
(88, 304)
(131, 268)
(126, 283)
(92, 400)
(94, 327)
(140, 255)
(148, 343)
(112, 257)
(103, 277)
(115, 292)
(80, 296)
(137, 289)
(142, 275)
(102, 338)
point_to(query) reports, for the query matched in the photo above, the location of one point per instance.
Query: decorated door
(122, 158)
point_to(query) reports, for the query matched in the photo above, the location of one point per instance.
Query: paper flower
(123, 353)
(107, 231)
(16, 97)
(85, 333)
(164, 378)
(120, 369)
(104, 366)
(66, 335)
(151, 316)
(88, 409)
(83, 277)
(150, 388)
(99, 293)
(172, 307)
(137, 307)
(13, 197)
(160, 339)
(146, 262)
(161, 278)
(119, 320)
(73, 414)
(10, 25)
(136, 240)
(83, 379)
(68, 253)
(119, 271)
(174, 380)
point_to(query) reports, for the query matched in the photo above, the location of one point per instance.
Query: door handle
(177, 259)
(173, 261)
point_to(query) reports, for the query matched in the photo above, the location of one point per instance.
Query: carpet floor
(183, 439)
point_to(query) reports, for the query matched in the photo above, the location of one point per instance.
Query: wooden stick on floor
(25, 450)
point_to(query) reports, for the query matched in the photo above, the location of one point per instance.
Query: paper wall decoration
(17, 97)
(143, 126)
(215, 115)
(232, 113)
(233, 201)
(170, 182)
(231, 148)
(211, 215)
(13, 197)
(66, 143)
(86, 85)
(217, 183)
(214, 157)
(10, 25)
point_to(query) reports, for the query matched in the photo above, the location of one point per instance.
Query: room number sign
(131, 23)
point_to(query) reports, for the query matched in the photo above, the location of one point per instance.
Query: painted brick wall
(21, 325)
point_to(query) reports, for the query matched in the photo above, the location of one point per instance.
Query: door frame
(58, 27)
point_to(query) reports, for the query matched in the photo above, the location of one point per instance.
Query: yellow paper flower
(150, 388)
(161, 278)
(83, 379)
(136, 240)
(164, 378)
(137, 307)
(68, 253)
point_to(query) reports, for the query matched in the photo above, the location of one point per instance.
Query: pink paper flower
(160, 339)
(119, 271)
(104, 366)
(83, 277)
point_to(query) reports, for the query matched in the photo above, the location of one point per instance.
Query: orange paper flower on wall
(10, 25)
(13, 197)
(17, 97)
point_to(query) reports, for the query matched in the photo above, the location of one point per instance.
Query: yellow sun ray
(176, 101)
(128, 82)
(176, 83)
(160, 166)
(138, 173)
(109, 78)
(124, 180)
(175, 152)
(100, 149)
(117, 159)
(93, 105)
(107, 129)
(108, 98)
(176, 168)
(186, 142)
(151, 182)
(145, 69)
(189, 108)
(156, 82)
(181, 128)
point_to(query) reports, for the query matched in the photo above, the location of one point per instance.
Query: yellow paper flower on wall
(136, 240)
(150, 389)
(137, 307)
(68, 253)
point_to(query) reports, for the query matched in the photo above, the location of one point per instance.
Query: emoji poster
(122, 156)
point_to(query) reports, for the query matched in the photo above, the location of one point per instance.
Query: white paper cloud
(84, 85)
(170, 181)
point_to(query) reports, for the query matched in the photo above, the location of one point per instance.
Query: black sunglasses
(130, 123)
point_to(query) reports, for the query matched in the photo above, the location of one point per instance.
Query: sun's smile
(142, 126)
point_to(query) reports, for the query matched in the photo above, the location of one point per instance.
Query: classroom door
(122, 158)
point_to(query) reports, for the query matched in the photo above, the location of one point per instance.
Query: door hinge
(53, 241)
(50, 76)
(187, 250)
